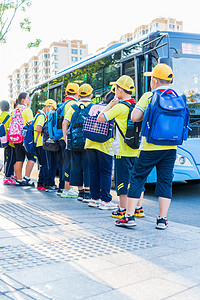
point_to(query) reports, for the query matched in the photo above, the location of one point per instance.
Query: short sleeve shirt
(39, 122)
(119, 112)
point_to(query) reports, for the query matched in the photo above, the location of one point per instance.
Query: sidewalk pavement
(57, 248)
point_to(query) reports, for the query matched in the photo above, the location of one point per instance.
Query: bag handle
(173, 92)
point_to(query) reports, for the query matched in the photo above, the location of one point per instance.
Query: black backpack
(49, 144)
(132, 135)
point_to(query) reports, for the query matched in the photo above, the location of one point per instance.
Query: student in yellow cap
(66, 191)
(124, 155)
(79, 173)
(40, 118)
(161, 157)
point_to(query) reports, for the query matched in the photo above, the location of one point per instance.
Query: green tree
(8, 12)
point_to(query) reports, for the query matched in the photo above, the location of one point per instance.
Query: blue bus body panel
(190, 150)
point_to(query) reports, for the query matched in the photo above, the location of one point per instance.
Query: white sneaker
(107, 205)
(71, 193)
(94, 203)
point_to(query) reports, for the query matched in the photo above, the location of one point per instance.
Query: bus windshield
(187, 81)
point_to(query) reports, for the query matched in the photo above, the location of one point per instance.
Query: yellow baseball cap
(113, 89)
(50, 102)
(72, 88)
(85, 90)
(161, 71)
(125, 82)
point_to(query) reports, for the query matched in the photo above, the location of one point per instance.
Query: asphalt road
(185, 205)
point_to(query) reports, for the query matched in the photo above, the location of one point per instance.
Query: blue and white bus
(180, 50)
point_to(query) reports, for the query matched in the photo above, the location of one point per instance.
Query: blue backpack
(75, 137)
(3, 134)
(55, 120)
(28, 135)
(166, 119)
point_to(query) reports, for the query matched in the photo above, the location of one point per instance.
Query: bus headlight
(182, 161)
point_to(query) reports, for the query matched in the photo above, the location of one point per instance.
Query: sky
(95, 22)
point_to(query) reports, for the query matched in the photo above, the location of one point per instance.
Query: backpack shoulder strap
(119, 129)
(6, 119)
(39, 114)
(126, 103)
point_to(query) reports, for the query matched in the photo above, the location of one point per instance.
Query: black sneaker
(161, 223)
(27, 182)
(127, 222)
(118, 214)
(59, 192)
(81, 195)
(87, 197)
(51, 188)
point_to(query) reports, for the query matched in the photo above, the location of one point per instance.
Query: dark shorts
(164, 161)
(21, 153)
(123, 168)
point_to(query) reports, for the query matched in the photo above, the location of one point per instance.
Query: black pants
(9, 159)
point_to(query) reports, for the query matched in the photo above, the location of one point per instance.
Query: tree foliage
(8, 12)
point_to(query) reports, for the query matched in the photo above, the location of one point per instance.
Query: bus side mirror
(166, 60)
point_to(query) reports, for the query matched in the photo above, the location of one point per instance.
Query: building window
(56, 49)
(17, 75)
(74, 58)
(55, 57)
(178, 27)
(26, 82)
(46, 63)
(171, 26)
(56, 66)
(81, 52)
(74, 51)
(45, 56)
(35, 70)
(26, 70)
(35, 63)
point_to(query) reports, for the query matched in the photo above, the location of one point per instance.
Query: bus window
(129, 69)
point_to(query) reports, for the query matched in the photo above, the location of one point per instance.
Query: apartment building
(65, 53)
(45, 65)
(164, 24)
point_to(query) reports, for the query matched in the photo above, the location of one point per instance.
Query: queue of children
(87, 164)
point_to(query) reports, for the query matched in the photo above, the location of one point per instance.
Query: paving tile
(189, 294)
(76, 286)
(153, 288)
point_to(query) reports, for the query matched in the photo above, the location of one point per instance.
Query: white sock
(138, 207)
(121, 208)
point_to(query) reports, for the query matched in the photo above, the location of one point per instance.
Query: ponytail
(20, 97)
